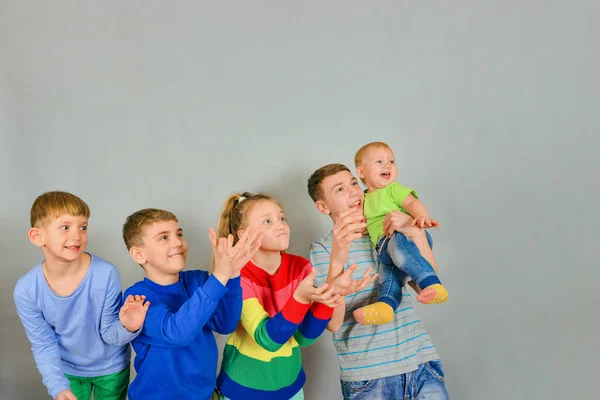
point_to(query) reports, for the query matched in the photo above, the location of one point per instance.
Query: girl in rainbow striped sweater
(281, 310)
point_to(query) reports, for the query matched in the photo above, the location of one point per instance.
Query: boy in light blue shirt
(70, 307)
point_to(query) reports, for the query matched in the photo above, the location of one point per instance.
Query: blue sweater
(176, 352)
(78, 334)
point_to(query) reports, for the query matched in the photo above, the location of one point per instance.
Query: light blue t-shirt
(79, 334)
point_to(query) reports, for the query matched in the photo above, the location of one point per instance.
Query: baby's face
(378, 168)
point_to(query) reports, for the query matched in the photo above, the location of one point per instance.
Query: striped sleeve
(314, 324)
(270, 333)
(319, 258)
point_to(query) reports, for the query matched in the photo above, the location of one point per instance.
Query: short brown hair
(315, 181)
(52, 205)
(133, 228)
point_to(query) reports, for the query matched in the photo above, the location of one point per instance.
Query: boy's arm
(111, 329)
(270, 333)
(44, 344)
(227, 315)
(175, 329)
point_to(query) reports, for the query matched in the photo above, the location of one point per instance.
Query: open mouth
(356, 204)
(385, 175)
(176, 255)
(73, 248)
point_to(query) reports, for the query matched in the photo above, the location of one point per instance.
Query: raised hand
(307, 293)
(133, 313)
(349, 226)
(345, 285)
(246, 247)
(223, 254)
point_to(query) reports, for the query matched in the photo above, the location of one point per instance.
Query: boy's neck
(161, 278)
(268, 261)
(59, 269)
(62, 277)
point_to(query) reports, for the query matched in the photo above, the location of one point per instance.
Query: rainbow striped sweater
(262, 358)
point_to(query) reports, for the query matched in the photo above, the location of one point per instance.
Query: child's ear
(360, 172)
(35, 236)
(240, 233)
(322, 207)
(137, 255)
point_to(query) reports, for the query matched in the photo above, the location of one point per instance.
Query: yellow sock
(374, 314)
(433, 294)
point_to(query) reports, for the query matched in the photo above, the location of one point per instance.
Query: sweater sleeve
(313, 324)
(163, 327)
(44, 344)
(227, 315)
(111, 330)
(270, 333)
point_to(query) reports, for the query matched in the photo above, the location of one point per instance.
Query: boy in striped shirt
(390, 361)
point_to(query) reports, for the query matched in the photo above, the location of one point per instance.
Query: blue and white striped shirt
(370, 352)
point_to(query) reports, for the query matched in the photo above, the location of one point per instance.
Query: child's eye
(392, 161)
(267, 221)
(180, 235)
(163, 237)
(283, 219)
(84, 228)
(354, 183)
(378, 162)
(64, 227)
(340, 189)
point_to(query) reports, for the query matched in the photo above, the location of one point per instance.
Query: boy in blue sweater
(70, 306)
(176, 352)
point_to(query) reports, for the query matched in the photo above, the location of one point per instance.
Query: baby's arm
(44, 343)
(119, 325)
(176, 329)
(419, 212)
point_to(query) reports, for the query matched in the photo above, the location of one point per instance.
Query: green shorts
(107, 387)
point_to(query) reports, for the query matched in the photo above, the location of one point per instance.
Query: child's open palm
(133, 313)
(246, 247)
(345, 285)
(306, 292)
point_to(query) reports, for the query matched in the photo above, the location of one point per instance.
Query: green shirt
(382, 202)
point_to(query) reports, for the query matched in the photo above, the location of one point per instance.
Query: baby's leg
(406, 255)
(391, 280)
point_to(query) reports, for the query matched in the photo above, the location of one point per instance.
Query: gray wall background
(491, 108)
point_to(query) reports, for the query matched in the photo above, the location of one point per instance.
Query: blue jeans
(399, 261)
(426, 383)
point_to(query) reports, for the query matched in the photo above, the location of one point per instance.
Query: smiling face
(340, 192)
(378, 167)
(63, 239)
(162, 251)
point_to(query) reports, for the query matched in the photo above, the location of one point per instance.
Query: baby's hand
(66, 395)
(425, 222)
(133, 313)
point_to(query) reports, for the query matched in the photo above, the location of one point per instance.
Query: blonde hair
(315, 181)
(133, 228)
(358, 157)
(52, 205)
(235, 211)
